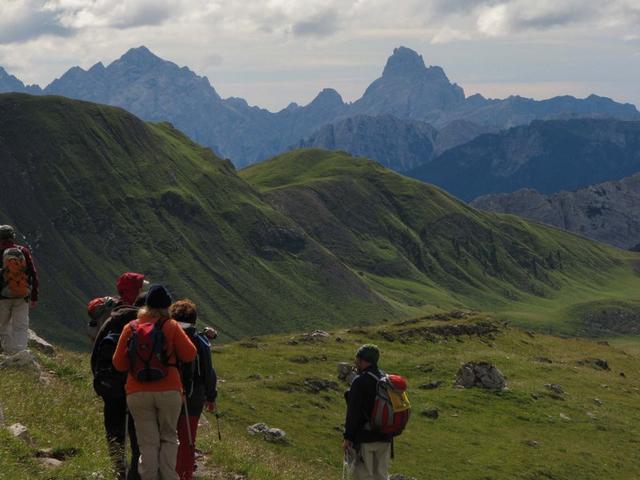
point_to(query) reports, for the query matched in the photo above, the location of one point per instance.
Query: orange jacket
(178, 348)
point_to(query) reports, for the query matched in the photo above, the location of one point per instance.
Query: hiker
(129, 285)
(109, 384)
(19, 291)
(372, 449)
(149, 349)
(199, 381)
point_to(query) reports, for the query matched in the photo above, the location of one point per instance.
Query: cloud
(320, 24)
(24, 20)
(522, 15)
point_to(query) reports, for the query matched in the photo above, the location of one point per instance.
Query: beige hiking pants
(373, 461)
(156, 418)
(14, 324)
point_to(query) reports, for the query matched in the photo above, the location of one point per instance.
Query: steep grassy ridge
(526, 432)
(97, 191)
(421, 248)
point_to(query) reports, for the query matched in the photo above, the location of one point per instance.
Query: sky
(273, 52)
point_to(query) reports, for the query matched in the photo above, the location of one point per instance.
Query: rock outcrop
(482, 375)
(607, 212)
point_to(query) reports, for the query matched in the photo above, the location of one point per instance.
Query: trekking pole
(218, 425)
(124, 444)
(186, 414)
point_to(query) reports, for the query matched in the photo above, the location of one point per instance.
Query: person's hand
(210, 406)
(347, 446)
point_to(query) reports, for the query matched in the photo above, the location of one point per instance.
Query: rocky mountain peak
(328, 97)
(404, 62)
(140, 56)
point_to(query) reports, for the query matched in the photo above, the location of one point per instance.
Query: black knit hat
(158, 297)
(369, 353)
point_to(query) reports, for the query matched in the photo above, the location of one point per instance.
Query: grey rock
(399, 476)
(50, 462)
(257, 428)
(17, 430)
(606, 212)
(38, 343)
(275, 435)
(482, 375)
(555, 388)
(532, 443)
(431, 413)
(345, 369)
(598, 402)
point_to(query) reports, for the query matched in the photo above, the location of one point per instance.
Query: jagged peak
(140, 55)
(404, 61)
(328, 96)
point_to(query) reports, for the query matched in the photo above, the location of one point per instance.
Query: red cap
(129, 285)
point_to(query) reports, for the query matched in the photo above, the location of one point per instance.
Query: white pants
(373, 461)
(14, 324)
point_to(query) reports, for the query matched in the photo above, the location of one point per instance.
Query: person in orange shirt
(149, 349)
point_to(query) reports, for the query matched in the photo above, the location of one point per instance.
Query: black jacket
(199, 377)
(360, 399)
(120, 316)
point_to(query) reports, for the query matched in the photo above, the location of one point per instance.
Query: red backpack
(147, 356)
(391, 407)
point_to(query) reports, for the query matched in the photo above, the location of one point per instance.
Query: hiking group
(154, 373)
(153, 370)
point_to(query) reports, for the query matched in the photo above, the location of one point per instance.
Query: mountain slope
(607, 212)
(419, 247)
(397, 144)
(548, 156)
(97, 191)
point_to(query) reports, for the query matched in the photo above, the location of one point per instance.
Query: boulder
(40, 344)
(275, 435)
(17, 430)
(257, 428)
(23, 359)
(555, 389)
(431, 413)
(482, 375)
(49, 462)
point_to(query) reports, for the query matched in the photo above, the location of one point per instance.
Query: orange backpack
(15, 274)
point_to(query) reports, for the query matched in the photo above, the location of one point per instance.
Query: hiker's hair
(153, 312)
(184, 311)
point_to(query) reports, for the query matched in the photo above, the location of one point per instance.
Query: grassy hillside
(309, 239)
(422, 249)
(526, 432)
(97, 192)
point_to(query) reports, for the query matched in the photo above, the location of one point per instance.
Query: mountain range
(305, 240)
(158, 90)
(548, 156)
(607, 212)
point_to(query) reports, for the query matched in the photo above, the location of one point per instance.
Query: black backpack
(193, 373)
(107, 381)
